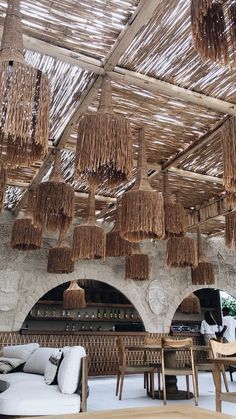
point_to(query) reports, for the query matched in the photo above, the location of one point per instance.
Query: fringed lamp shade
(229, 159)
(230, 229)
(25, 236)
(137, 265)
(142, 208)
(174, 213)
(89, 240)
(104, 144)
(3, 179)
(115, 245)
(74, 297)
(204, 272)
(190, 305)
(60, 257)
(214, 29)
(24, 98)
(54, 202)
(181, 252)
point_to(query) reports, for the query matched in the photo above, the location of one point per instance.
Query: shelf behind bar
(75, 319)
(89, 304)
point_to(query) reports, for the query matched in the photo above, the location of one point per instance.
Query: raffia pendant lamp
(115, 245)
(54, 202)
(24, 98)
(174, 213)
(181, 252)
(74, 297)
(228, 134)
(89, 240)
(137, 265)
(230, 229)
(104, 144)
(142, 208)
(60, 257)
(190, 305)
(3, 180)
(204, 272)
(211, 20)
(25, 236)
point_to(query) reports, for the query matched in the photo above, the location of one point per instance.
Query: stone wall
(24, 280)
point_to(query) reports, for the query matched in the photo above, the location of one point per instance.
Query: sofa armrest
(82, 389)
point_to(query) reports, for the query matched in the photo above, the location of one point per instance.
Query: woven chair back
(176, 344)
(225, 349)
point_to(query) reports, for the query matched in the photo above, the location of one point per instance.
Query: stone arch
(100, 271)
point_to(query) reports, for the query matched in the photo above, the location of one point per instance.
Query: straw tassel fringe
(230, 229)
(181, 252)
(74, 297)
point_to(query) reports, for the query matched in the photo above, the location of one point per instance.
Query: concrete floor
(102, 394)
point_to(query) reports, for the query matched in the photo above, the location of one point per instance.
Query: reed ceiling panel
(164, 49)
(13, 195)
(88, 26)
(170, 125)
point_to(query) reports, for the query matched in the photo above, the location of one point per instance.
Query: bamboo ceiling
(161, 49)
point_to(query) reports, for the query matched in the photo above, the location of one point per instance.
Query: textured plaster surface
(24, 280)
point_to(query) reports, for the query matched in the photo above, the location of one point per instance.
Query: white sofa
(27, 394)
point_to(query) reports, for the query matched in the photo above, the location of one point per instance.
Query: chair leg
(121, 384)
(144, 380)
(164, 388)
(117, 383)
(196, 378)
(195, 391)
(231, 374)
(152, 384)
(225, 378)
(187, 385)
(159, 384)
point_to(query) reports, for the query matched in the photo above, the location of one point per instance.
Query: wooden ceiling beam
(210, 211)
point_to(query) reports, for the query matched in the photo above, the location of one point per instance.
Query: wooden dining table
(218, 362)
(172, 391)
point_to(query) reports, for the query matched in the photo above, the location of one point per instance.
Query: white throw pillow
(37, 362)
(20, 351)
(52, 366)
(69, 370)
(9, 364)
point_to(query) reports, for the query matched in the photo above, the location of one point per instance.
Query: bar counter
(100, 346)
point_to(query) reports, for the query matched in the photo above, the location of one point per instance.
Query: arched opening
(107, 309)
(188, 321)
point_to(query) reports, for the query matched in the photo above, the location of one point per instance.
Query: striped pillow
(9, 364)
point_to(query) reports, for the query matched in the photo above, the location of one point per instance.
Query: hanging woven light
(228, 134)
(180, 252)
(3, 180)
(60, 257)
(24, 98)
(137, 264)
(142, 208)
(25, 236)
(74, 297)
(230, 229)
(213, 29)
(89, 240)
(204, 272)
(174, 213)
(115, 245)
(54, 201)
(104, 144)
(190, 305)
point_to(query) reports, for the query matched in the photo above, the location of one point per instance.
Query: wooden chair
(220, 349)
(123, 369)
(171, 344)
(149, 340)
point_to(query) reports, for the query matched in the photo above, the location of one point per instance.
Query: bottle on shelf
(115, 314)
(119, 314)
(86, 315)
(104, 314)
(92, 315)
(63, 313)
(111, 314)
(67, 327)
(73, 327)
(38, 313)
(82, 327)
(125, 315)
(54, 312)
(90, 327)
(79, 315)
(132, 315)
(45, 313)
(98, 314)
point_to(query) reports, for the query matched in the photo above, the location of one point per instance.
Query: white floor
(102, 394)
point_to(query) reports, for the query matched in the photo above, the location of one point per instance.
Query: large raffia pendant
(74, 297)
(181, 252)
(115, 244)
(137, 265)
(24, 98)
(174, 213)
(54, 201)
(203, 274)
(142, 208)
(104, 144)
(230, 229)
(191, 305)
(60, 257)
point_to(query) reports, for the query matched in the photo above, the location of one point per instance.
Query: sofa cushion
(28, 395)
(69, 370)
(52, 366)
(19, 351)
(38, 360)
(9, 364)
